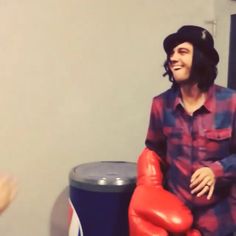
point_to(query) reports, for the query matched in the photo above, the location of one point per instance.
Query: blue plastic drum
(100, 193)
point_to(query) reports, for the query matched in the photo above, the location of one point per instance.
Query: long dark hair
(203, 72)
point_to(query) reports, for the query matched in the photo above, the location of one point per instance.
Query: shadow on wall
(59, 215)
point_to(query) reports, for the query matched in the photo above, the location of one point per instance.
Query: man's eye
(183, 51)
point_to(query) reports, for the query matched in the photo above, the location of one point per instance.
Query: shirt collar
(209, 104)
(210, 101)
(178, 99)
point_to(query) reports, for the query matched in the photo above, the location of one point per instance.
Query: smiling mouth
(175, 68)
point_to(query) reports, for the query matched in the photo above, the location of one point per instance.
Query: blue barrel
(100, 193)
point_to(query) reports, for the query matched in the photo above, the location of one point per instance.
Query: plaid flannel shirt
(186, 143)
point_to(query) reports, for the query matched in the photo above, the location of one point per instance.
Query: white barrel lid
(104, 176)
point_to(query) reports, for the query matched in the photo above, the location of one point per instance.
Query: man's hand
(203, 182)
(7, 191)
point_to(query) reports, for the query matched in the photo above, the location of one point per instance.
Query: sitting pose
(186, 174)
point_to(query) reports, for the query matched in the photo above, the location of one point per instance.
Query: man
(192, 136)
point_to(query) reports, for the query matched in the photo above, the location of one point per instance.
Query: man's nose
(174, 57)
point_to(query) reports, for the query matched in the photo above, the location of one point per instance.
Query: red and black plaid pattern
(187, 142)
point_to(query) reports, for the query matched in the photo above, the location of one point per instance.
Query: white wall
(77, 78)
(223, 11)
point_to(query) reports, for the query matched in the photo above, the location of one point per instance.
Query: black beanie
(198, 36)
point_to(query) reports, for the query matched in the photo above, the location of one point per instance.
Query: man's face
(180, 61)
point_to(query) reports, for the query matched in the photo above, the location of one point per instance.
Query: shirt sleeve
(225, 169)
(155, 139)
